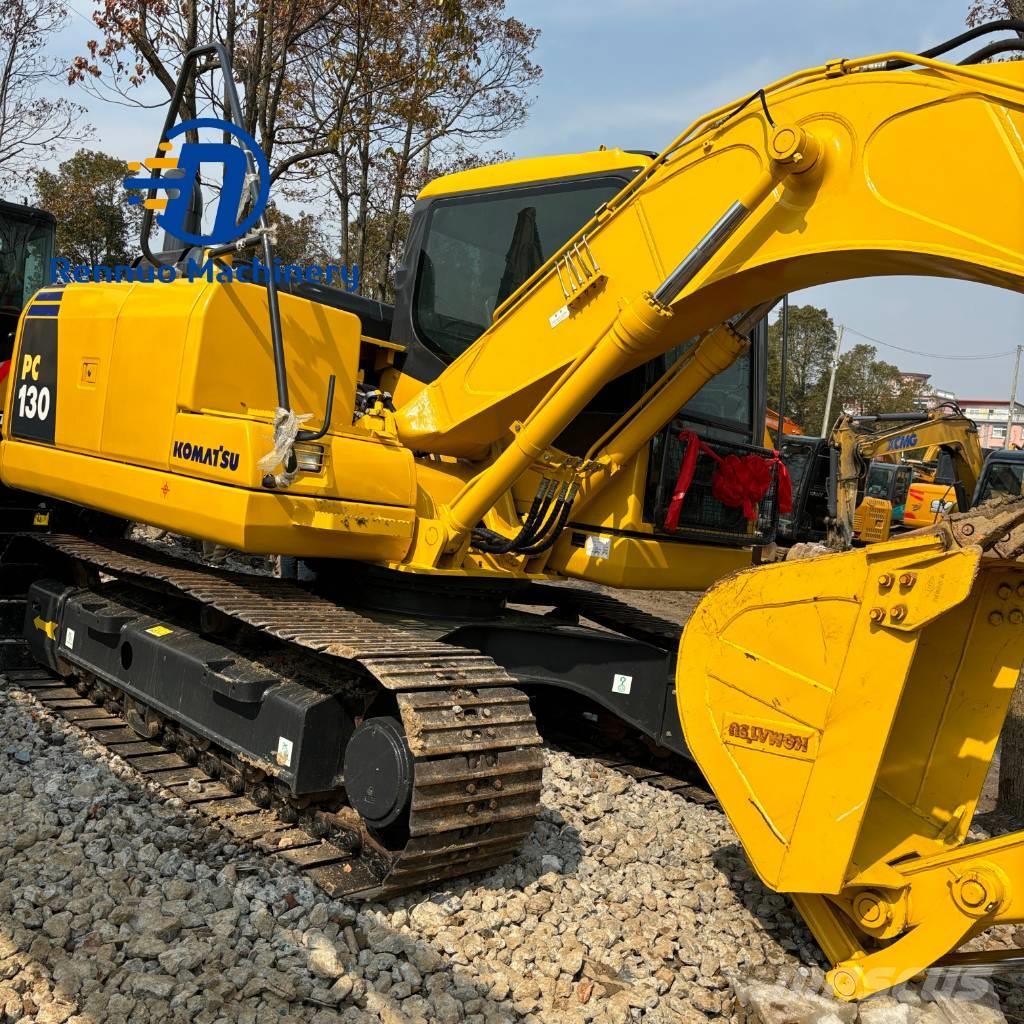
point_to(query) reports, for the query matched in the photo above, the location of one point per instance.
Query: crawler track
(477, 759)
(345, 862)
(476, 753)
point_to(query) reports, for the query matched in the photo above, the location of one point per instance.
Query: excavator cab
(26, 248)
(808, 463)
(1003, 473)
(883, 501)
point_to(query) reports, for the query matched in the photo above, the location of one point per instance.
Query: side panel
(34, 388)
(262, 522)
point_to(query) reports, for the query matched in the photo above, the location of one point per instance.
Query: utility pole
(832, 381)
(1013, 399)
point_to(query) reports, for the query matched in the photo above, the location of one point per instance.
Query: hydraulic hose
(533, 526)
(561, 517)
(1002, 46)
(1003, 25)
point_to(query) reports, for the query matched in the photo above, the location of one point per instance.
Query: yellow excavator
(876, 487)
(505, 426)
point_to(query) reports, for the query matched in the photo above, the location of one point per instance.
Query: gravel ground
(626, 904)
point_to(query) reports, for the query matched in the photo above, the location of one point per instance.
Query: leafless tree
(31, 124)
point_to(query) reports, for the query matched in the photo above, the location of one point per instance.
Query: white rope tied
(287, 425)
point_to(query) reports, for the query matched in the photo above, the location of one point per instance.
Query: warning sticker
(159, 631)
(598, 547)
(69, 638)
(558, 316)
(284, 752)
(621, 683)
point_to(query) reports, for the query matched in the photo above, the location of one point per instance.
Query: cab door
(899, 488)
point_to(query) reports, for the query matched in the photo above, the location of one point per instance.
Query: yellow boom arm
(867, 172)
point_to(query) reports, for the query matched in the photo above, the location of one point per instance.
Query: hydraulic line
(1003, 25)
(562, 517)
(497, 544)
(992, 49)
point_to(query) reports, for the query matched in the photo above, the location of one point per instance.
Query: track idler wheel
(379, 772)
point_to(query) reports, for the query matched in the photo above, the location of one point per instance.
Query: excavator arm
(844, 708)
(837, 172)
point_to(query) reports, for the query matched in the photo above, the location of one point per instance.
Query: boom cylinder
(636, 327)
(715, 352)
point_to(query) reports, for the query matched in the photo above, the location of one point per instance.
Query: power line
(930, 355)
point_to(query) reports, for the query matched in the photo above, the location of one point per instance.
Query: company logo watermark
(178, 177)
(181, 175)
(336, 275)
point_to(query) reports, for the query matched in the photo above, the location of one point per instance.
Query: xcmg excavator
(876, 487)
(856, 483)
(487, 442)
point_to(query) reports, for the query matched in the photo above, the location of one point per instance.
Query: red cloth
(739, 481)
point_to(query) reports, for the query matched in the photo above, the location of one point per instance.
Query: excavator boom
(839, 183)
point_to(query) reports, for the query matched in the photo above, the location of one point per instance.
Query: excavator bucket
(845, 709)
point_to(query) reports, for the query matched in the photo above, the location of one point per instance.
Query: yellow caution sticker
(41, 519)
(159, 631)
(49, 628)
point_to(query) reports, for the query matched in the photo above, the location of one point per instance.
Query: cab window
(727, 398)
(1002, 478)
(878, 481)
(479, 249)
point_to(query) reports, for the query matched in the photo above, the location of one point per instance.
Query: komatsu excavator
(517, 423)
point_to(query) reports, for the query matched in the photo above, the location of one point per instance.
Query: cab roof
(533, 169)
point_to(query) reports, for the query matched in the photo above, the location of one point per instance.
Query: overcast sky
(633, 74)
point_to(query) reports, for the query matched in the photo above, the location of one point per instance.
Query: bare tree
(144, 40)
(467, 78)
(981, 11)
(31, 124)
(354, 102)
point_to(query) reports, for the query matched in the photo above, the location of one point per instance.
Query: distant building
(991, 414)
(929, 396)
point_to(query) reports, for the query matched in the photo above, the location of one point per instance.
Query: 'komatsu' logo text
(220, 458)
(768, 737)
